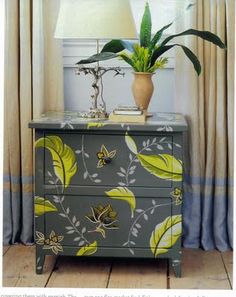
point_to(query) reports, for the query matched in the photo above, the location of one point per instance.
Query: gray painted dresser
(105, 189)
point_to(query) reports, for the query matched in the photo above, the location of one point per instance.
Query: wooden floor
(200, 270)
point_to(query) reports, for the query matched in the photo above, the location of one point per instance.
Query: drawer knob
(104, 156)
(106, 160)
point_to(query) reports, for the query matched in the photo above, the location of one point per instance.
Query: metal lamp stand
(97, 110)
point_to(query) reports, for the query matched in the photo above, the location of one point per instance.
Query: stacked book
(127, 114)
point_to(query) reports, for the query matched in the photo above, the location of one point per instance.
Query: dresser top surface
(168, 122)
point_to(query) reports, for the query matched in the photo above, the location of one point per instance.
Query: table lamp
(95, 20)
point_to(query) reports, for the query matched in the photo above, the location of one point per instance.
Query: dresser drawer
(153, 224)
(130, 160)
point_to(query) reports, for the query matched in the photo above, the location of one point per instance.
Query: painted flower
(51, 243)
(105, 218)
(177, 195)
(103, 154)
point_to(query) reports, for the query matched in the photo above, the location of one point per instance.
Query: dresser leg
(176, 265)
(40, 258)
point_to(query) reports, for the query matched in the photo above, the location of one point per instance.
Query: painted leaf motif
(164, 166)
(42, 206)
(123, 193)
(87, 250)
(165, 235)
(95, 125)
(130, 143)
(64, 161)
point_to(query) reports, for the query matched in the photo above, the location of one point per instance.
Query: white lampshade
(95, 19)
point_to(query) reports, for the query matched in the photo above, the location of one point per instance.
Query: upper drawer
(107, 160)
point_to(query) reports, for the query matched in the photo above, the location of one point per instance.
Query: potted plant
(145, 57)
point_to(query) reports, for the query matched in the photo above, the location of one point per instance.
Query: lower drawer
(90, 223)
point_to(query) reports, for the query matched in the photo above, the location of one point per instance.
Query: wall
(117, 90)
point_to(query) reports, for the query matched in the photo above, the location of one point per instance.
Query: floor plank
(75, 272)
(5, 248)
(228, 262)
(19, 268)
(139, 274)
(200, 270)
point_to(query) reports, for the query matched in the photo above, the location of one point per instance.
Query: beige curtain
(208, 103)
(33, 85)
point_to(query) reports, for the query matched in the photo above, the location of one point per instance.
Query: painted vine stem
(65, 213)
(135, 225)
(93, 177)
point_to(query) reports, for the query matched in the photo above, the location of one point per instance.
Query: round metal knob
(107, 160)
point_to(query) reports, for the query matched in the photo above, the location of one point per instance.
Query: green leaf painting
(42, 206)
(95, 125)
(164, 166)
(165, 235)
(123, 193)
(87, 250)
(64, 161)
(130, 143)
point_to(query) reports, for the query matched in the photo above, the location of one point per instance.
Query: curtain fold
(207, 101)
(33, 84)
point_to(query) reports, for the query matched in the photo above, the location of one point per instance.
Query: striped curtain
(33, 85)
(208, 103)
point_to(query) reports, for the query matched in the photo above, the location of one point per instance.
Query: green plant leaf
(98, 57)
(165, 235)
(159, 33)
(42, 206)
(190, 6)
(130, 143)
(146, 27)
(128, 60)
(193, 58)
(113, 46)
(159, 64)
(87, 250)
(160, 51)
(206, 35)
(123, 193)
(117, 45)
(64, 161)
(158, 36)
(164, 166)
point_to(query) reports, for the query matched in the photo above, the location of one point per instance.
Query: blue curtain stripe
(18, 179)
(208, 181)
(18, 229)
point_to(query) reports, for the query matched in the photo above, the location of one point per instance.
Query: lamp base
(94, 114)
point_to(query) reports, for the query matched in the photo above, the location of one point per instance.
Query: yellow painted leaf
(95, 125)
(42, 206)
(130, 143)
(165, 235)
(123, 193)
(64, 161)
(87, 250)
(164, 166)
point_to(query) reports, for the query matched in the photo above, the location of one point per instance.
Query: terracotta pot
(142, 89)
